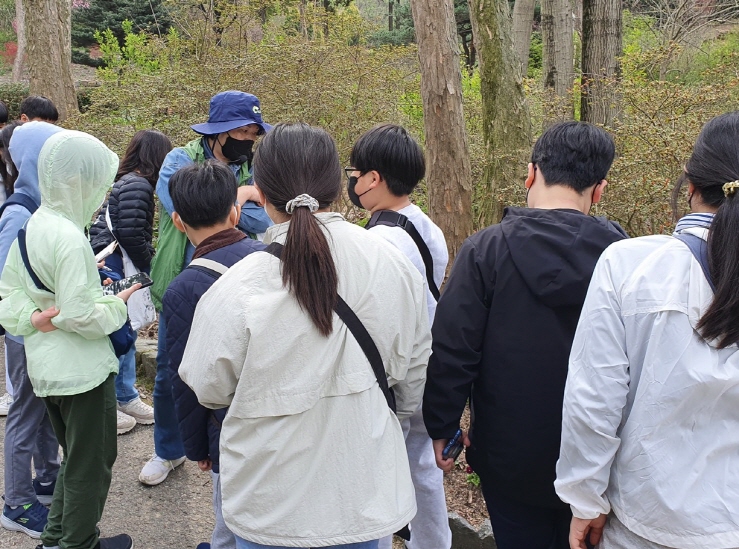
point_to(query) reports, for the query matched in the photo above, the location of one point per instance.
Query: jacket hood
(25, 146)
(555, 251)
(75, 172)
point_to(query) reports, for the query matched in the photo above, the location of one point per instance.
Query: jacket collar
(218, 241)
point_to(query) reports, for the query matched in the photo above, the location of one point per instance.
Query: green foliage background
(331, 69)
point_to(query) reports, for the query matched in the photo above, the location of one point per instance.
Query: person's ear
(376, 179)
(598, 191)
(24, 118)
(177, 220)
(530, 175)
(262, 197)
(235, 215)
(691, 188)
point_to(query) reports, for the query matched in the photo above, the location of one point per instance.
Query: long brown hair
(145, 154)
(715, 162)
(291, 160)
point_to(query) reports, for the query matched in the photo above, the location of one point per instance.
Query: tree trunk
(449, 175)
(558, 58)
(506, 124)
(49, 41)
(20, 24)
(523, 21)
(601, 48)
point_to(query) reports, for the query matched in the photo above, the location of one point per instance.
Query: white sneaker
(139, 410)
(125, 422)
(157, 469)
(5, 401)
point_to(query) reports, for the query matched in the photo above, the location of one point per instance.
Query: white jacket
(311, 455)
(650, 425)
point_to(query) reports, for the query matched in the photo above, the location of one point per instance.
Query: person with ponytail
(650, 429)
(311, 453)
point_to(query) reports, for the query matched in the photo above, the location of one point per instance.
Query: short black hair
(574, 154)
(3, 113)
(38, 106)
(203, 194)
(391, 151)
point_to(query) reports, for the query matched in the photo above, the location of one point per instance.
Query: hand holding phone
(118, 286)
(454, 447)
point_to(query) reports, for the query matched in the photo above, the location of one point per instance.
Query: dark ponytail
(291, 160)
(713, 164)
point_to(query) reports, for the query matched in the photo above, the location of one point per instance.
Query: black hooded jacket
(502, 335)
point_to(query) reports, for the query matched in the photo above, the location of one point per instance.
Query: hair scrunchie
(302, 201)
(731, 187)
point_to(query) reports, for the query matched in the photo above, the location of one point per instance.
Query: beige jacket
(311, 455)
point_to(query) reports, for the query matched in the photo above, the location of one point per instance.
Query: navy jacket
(200, 427)
(502, 335)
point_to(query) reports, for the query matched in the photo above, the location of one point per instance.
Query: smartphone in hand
(119, 285)
(454, 447)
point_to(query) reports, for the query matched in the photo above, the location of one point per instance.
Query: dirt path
(176, 514)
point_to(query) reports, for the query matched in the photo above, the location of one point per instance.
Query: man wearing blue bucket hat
(234, 123)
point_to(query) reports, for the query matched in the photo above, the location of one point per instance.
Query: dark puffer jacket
(131, 205)
(200, 428)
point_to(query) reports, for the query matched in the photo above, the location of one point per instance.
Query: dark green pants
(85, 426)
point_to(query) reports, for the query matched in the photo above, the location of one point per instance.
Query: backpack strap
(208, 266)
(24, 255)
(699, 249)
(21, 200)
(360, 333)
(394, 219)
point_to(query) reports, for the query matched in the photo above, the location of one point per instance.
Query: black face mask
(238, 151)
(353, 196)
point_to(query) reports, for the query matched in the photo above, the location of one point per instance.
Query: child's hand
(125, 294)
(41, 320)
(205, 465)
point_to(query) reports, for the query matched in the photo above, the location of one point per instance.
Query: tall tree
(558, 57)
(506, 123)
(602, 44)
(523, 22)
(20, 33)
(449, 174)
(49, 52)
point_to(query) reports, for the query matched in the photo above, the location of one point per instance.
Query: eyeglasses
(349, 171)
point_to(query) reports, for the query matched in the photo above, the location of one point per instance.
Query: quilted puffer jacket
(200, 427)
(131, 204)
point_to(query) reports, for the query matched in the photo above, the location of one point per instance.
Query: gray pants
(28, 434)
(222, 537)
(430, 526)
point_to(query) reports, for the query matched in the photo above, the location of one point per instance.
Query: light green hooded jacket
(75, 171)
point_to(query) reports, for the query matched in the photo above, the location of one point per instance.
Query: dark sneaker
(44, 493)
(29, 519)
(121, 541)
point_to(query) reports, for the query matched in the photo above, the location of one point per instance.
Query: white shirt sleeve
(595, 396)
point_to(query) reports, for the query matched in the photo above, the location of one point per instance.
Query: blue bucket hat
(230, 110)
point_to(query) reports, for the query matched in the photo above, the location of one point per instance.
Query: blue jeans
(124, 382)
(243, 544)
(167, 440)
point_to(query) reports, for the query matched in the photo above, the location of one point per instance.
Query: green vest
(171, 243)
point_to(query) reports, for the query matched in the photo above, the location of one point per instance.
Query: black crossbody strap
(24, 255)
(21, 200)
(360, 333)
(395, 219)
(699, 249)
